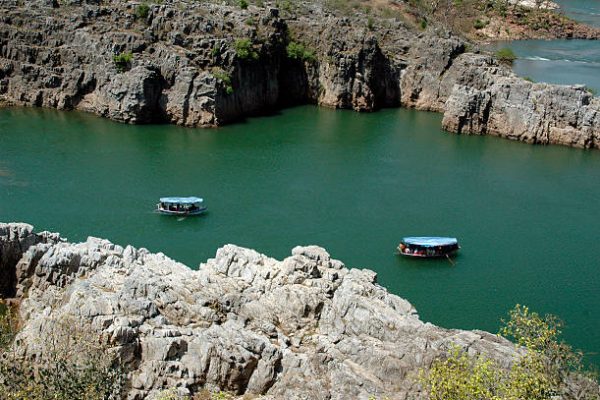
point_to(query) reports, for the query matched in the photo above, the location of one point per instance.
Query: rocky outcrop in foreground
(206, 64)
(306, 327)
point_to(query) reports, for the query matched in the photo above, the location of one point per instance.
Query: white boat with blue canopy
(181, 206)
(428, 246)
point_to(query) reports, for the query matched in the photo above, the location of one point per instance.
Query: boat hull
(182, 213)
(440, 255)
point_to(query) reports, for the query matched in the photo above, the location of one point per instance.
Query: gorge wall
(305, 327)
(202, 64)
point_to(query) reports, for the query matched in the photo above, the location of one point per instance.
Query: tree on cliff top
(547, 368)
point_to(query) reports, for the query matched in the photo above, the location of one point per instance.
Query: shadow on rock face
(15, 240)
(8, 279)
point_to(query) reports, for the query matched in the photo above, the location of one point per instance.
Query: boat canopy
(181, 200)
(430, 241)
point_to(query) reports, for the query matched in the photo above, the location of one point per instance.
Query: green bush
(244, 49)
(7, 327)
(479, 24)
(123, 61)
(297, 51)
(243, 4)
(223, 77)
(548, 368)
(505, 55)
(142, 11)
(370, 24)
(285, 5)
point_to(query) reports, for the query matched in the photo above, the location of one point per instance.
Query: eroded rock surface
(306, 327)
(186, 66)
(477, 95)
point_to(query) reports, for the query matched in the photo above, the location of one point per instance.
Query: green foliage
(170, 394)
(461, 377)
(284, 5)
(479, 24)
(373, 397)
(370, 24)
(224, 77)
(592, 91)
(297, 51)
(546, 368)
(220, 395)
(423, 24)
(345, 7)
(203, 394)
(540, 335)
(7, 327)
(142, 11)
(123, 61)
(243, 4)
(71, 365)
(505, 55)
(244, 49)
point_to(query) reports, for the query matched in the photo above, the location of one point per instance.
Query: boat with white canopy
(181, 206)
(428, 246)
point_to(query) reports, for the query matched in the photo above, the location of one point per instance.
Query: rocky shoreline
(204, 64)
(304, 327)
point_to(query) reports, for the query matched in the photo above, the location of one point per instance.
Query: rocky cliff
(206, 64)
(306, 327)
(477, 95)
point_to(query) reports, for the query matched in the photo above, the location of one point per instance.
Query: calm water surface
(527, 216)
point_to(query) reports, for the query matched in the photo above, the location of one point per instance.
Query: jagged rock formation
(203, 64)
(306, 327)
(513, 108)
(15, 240)
(477, 95)
(187, 68)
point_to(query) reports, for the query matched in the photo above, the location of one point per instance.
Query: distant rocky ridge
(544, 4)
(205, 64)
(306, 327)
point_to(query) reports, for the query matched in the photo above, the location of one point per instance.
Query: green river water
(527, 217)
